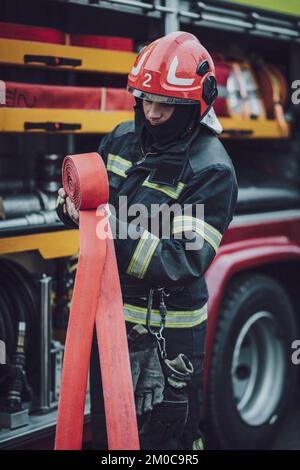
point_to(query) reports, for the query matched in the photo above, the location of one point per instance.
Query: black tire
(251, 378)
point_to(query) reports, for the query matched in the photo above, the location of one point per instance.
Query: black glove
(165, 426)
(147, 375)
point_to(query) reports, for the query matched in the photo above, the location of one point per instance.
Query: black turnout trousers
(190, 341)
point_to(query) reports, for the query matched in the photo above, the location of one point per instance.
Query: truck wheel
(251, 377)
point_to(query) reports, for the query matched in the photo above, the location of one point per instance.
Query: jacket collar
(168, 162)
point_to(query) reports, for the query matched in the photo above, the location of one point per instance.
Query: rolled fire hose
(274, 91)
(21, 205)
(251, 105)
(223, 71)
(96, 298)
(31, 220)
(238, 91)
(17, 205)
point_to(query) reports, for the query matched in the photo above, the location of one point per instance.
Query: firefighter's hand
(68, 206)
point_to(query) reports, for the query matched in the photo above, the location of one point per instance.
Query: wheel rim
(258, 369)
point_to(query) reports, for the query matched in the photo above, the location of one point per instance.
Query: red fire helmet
(177, 69)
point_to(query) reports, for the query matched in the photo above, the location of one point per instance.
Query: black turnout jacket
(189, 172)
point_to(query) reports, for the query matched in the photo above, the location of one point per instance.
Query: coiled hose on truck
(19, 330)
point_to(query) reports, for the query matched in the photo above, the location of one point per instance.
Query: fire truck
(63, 86)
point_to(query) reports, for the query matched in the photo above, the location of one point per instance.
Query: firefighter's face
(157, 113)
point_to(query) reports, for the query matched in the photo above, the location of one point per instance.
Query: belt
(96, 298)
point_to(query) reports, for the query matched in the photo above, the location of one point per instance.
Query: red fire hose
(96, 298)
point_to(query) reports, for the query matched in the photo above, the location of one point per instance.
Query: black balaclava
(181, 123)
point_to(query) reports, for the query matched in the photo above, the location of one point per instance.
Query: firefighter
(170, 154)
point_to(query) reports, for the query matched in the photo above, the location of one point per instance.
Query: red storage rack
(24, 95)
(102, 42)
(31, 33)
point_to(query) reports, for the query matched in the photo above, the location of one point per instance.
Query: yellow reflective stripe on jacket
(188, 223)
(142, 255)
(185, 223)
(171, 192)
(198, 444)
(117, 164)
(212, 235)
(174, 319)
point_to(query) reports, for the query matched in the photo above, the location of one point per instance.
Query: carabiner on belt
(161, 341)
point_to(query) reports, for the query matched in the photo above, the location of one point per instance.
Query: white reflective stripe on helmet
(135, 70)
(173, 79)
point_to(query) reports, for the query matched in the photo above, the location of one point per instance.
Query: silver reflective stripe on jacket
(188, 223)
(174, 319)
(117, 165)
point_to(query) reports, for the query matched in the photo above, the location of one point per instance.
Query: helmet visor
(160, 98)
